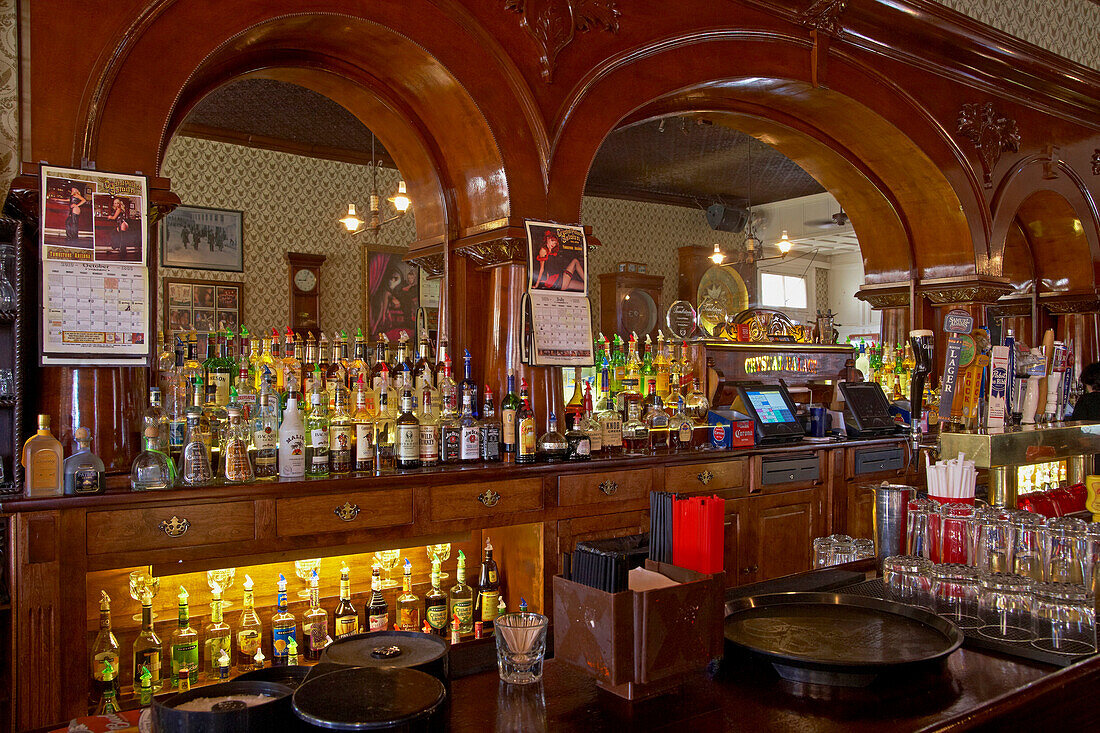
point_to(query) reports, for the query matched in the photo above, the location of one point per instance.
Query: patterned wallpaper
(291, 204)
(9, 93)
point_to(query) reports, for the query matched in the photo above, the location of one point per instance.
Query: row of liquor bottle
(223, 649)
(891, 366)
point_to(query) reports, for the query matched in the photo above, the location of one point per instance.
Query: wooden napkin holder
(638, 645)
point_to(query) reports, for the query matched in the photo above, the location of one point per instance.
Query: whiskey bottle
(489, 429)
(83, 469)
(309, 362)
(470, 435)
(468, 384)
(461, 598)
(525, 428)
(337, 369)
(284, 627)
(435, 604)
(681, 428)
(509, 406)
(345, 616)
(341, 434)
(42, 461)
(408, 431)
(551, 446)
(379, 371)
(401, 369)
(195, 470)
(265, 435)
(423, 371)
(429, 431)
(236, 463)
(147, 645)
(105, 652)
(488, 590)
(317, 427)
(364, 427)
(249, 630)
(385, 438)
(185, 647)
(611, 424)
(292, 443)
(408, 603)
(450, 429)
(578, 445)
(591, 426)
(217, 638)
(315, 622)
(378, 612)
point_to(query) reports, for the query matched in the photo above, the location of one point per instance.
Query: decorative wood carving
(430, 263)
(966, 292)
(1075, 303)
(496, 252)
(1009, 308)
(554, 23)
(888, 297)
(1096, 163)
(1050, 162)
(823, 15)
(991, 133)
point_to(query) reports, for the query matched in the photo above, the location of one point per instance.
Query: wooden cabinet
(784, 526)
(860, 515)
(581, 529)
(737, 542)
(589, 488)
(701, 477)
(470, 500)
(170, 527)
(343, 512)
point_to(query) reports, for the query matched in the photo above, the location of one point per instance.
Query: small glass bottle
(185, 647)
(681, 428)
(42, 461)
(635, 432)
(461, 598)
(195, 470)
(315, 622)
(435, 604)
(385, 438)
(152, 469)
(470, 433)
(526, 442)
(217, 638)
(249, 629)
(408, 603)
(378, 611)
(429, 430)
(147, 645)
(656, 419)
(317, 428)
(292, 442)
(236, 463)
(265, 435)
(345, 616)
(551, 446)
(105, 652)
(490, 429)
(284, 627)
(577, 442)
(408, 431)
(341, 433)
(83, 469)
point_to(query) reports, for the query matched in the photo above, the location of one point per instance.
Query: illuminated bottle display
(461, 598)
(435, 604)
(408, 603)
(217, 639)
(105, 652)
(378, 611)
(283, 627)
(185, 648)
(249, 629)
(315, 622)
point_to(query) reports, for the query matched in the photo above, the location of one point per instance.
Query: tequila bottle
(217, 638)
(147, 645)
(284, 627)
(408, 431)
(489, 428)
(83, 469)
(364, 427)
(341, 434)
(655, 418)
(249, 629)
(315, 622)
(385, 438)
(378, 611)
(461, 598)
(195, 470)
(185, 648)
(429, 431)
(265, 435)
(292, 442)
(408, 603)
(317, 429)
(105, 652)
(42, 461)
(152, 469)
(435, 604)
(488, 590)
(525, 428)
(551, 447)
(236, 463)
(509, 406)
(345, 615)
(470, 434)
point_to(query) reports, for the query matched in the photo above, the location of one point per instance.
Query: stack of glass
(837, 549)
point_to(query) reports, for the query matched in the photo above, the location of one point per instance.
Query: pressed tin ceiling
(679, 160)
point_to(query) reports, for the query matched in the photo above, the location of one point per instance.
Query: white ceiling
(792, 215)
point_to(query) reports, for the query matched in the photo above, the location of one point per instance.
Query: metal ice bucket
(891, 510)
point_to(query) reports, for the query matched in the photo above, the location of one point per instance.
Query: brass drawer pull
(609, 487)
(175, 527)
(705, 477)
(489, 498)
(347, 511)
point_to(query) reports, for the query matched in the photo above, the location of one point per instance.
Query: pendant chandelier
(400, 201)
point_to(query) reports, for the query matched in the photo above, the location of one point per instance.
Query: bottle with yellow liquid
(661, 366)
(42, 461)
(266, 359)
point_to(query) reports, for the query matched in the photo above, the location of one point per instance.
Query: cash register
(866, 410)
(770, 407)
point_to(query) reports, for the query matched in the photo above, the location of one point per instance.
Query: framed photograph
(203, 305)
(198, 238)
(557, 257)
(393, 292)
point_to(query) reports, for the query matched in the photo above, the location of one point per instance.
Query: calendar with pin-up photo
(560, 312)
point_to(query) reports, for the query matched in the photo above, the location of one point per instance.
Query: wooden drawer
(343, 512)
(168, 527)
(589, 488)
(706, 476)
(466, 501)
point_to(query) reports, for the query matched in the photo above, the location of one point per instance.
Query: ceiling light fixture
(784, 243)
(717, 257)
(400, 201)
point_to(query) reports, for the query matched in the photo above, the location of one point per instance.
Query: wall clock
(304, 272)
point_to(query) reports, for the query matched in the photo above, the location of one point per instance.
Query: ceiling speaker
(727, 218)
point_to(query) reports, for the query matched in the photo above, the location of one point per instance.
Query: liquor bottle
(378, 612)
(591, 426)
(309, 362)
(324, 363)
(698, 406)
(292, 442)
(508, 408)
(578, 445)
(264, 359)
(83, 470)
(407, 431)
(246, 393)
(156, 417)
(618, 363)
(363, 420)
(105, 652)
(341, 434)
(291, 363)
(236, 463)
(408, 603)
(217, 638)
(661, 367)
(191, 369)
(429, 431)
(468, 384)
(385, 432)
(108, 703)
(604, 369)
(185, 647)
(337, 369)
(166, 362)
(265, 435)
(423, 370)
(249, 630)
(525, 428)
(551, 447)
(293, 389)
(461, 598)
(655, 418)
(575, 407)
(284, 627)
(635, 432)
(195, 469)
(317, 427)
(42, 461)
(224, 369)
(152, 469)
(611, 424)
(633, 369)
(315, 622)
(681, 428)
(345, 615)
(344, 358)
(450, 429)
(647, 359)
(631, 396)
(380, 370)
(215, 417)
(489, 428)
(675, 374)
(143, 687)
(470, 433)
(359, 365)
(488, 590)
(435, 604)
(147, 645)
(175, 402)
(687, 369)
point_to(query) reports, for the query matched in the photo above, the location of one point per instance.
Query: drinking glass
(140, 580)
(840, 549)
(1064, 546)
(388, 560)
(1064, 619)
(224, 578)
(954, 542)
(917, 526)
(304, 570)
(521, 646)
(991, 544)
(822, 551)
(907, 579)
(863, 548)
(1092, 556)
(955, 594)
(440, 552)
(1005, 603)
(1027, 544)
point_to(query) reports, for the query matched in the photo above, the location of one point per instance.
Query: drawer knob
(705, 477)
(489, 497)
(175, 527)
(609, 487)
(347, 511)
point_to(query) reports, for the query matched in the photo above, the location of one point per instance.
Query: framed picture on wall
(203, 305)
(393, 292)
(198, 238)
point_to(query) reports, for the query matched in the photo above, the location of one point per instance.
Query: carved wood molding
(432, 264)
(890, 296)
(496, 252)
(965, 291)
(823, 15)
(554, 24)
(1071, 303)
(991, 134)
(1008, 308)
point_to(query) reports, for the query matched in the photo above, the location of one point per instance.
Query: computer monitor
(772, 411)
(866, 409)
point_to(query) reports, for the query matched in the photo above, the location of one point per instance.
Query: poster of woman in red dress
(557, 258)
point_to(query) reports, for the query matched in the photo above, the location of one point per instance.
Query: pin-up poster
(560, 312)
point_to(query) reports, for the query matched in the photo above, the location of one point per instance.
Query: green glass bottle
(185, 647)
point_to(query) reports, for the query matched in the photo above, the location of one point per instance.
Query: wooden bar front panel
(130, 530)
(590, 488)
(466, 501)
(343, 512)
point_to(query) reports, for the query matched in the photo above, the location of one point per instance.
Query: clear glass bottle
(341, 434)
(698, 406)
(249, 629)
(156, 417)
(222, 370)
(147, 645)
(526, 441)
(337, 369)
(378, 611)
(450, 429)
(611, 423)
(423, 370)
(635, 432)
(217, 637)
(175, 403)
(195, 470)
(380, 370)
(105, 649)
(292, 442)
(152, 469)
(591, 426)
(408, 603)
(408, 431)
(470, 433)
(385, 432)
(551, 446)
(490, 429)
(184, 647)
(577, 442)
(655, 418)
(42, 459)
(265, 435)
(246, 393)
(509, 406)
(284, 627)
(429, 431)
(192, 368)
(359, 366)
(291, 363)
(236, 463)
(83, 469)
(317, 428)
(363, 421)
(468, 384)
(461, 598)
(435, 604)
(315, 622)
(345, 616)
(214, 415)
(681, 428)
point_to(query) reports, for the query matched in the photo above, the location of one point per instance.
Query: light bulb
(351, 221)
(784, 243)
(400, 200)
(717, 257)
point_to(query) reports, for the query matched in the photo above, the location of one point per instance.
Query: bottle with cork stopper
(152, 469)
(83, 469)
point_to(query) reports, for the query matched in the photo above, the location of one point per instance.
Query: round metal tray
(836, 639)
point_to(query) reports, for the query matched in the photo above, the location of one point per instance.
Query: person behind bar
(1088, 404)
